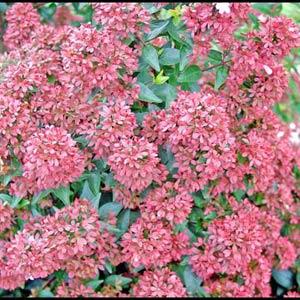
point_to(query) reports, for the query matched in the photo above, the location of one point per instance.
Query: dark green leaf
(283, 277)
(239, 194)
(215, 55)
(147, 95)
(169, 57)
(157, 27)
(184, 58)
(150, 56)
(190, 74)
(221, 76)
(63, 193)
(110, 207)
(166, 92)
(117, 280)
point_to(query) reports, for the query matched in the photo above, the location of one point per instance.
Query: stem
(215, 66)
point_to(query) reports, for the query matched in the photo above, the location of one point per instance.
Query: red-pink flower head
(135, 163)
(22, 20)
(159, 283)
(51, 159)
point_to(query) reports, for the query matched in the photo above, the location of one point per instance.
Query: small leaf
(166, 92)
(94, 283)
(160, 79)
(147, 95)
(239, 194)
(63, 193)
(157, 27)
(169, 57)
(117, 280)
(89, 195)
(221, 76)
(190, 74)
(110, 207)
(184, 58)
(46, 293)
(283, 277)
(215, 55)
(123, 220)
(150, 56)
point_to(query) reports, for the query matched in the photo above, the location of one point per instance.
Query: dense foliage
(149, 149)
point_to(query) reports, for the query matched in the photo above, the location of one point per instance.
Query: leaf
(190, 74)
(63, 193)
(191, 280)
(166, 92)
(5, 197)
(94, 283)
(157, 27)
(184, 58)
(239, 194)
(160, 79)
(3, 7)
(89, 195)
(283, 277)
(110, 207)
(147, 95)
(46, 293)
(123, 220)
(221, 76)
(117, 280)
(215, 55)
(169, 57)
(150, 56)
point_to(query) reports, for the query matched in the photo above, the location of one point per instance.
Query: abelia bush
(149, 150)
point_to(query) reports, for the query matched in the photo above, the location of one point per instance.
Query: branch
(215, 66)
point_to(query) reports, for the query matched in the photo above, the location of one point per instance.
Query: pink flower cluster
(159, 283)
(6, 217)
(61, 85)
(70, 240)
(208, 23)
(242, 247)
(50, 159)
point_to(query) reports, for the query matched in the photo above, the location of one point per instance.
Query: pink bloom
(51, 159)
(159, 283)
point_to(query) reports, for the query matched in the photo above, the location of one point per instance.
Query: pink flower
(159, 283)
(51, 159)
(135, 164)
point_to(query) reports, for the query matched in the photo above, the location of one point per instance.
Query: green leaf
(110, 207)
(144, 77)
(239, 194)
(63, 193)
(3, 7)
(283, 277)
(150, 56)
(221, 76)
(169, 57)
(117, 280)
(157, 27)
(88, 194)
(5, 198)
(94, 283)
(47, 11)
(160, 79)
(191, 280)
(254, 20)
(147, 95)
(166, 92)
(190, 74)
(215, 56)
(184, 57)
(124, 220)
(46, 293)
